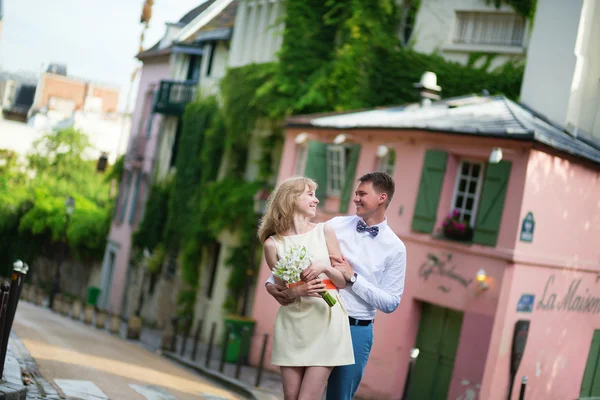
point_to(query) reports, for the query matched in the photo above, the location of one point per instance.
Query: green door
(437, 342)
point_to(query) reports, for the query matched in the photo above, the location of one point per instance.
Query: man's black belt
(360, 322)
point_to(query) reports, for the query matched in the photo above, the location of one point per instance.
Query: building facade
(530, 255)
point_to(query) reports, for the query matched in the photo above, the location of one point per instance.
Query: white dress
(308, 332)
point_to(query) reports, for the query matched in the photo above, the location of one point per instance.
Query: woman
(310, 338)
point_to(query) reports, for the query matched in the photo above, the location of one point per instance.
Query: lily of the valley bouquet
(291, 266)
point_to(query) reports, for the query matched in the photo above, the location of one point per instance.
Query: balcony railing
(173, 96)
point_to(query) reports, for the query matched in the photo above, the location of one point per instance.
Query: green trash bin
(93, 293)
(237, 327)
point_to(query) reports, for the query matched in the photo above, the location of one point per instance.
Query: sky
(97, 40)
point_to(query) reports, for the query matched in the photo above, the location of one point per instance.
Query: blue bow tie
(362, 227)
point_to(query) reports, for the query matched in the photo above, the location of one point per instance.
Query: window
(467, 190)
(213, 47)
(387, 163)
(336, 169)
(407, 20)
(175, 146)
(214, 263)
(496, 29)
(301, 153)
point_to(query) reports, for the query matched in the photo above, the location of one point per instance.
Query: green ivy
(241, 111)
(150, 231)
(525, 8)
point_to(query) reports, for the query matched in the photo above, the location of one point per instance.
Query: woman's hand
(314, 271)
(311, 288)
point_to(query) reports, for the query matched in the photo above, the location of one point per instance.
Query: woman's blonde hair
(281, 206)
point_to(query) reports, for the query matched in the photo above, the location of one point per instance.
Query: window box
(456, 229)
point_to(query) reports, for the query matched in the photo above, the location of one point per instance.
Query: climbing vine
(336, 55)
(525, 8)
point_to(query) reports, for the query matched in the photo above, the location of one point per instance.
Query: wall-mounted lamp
(340, 139)
(481, 278)
(414, 353)
(495, 155)
(301, 138)
(382, 151)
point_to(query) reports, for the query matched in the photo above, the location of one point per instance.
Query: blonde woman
(310, 338)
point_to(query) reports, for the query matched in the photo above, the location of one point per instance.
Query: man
(374, 265)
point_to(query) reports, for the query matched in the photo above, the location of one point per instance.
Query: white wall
(562, 74)
(256, 37)
(435, 25)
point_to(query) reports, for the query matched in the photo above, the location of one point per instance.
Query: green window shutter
(316, 167)
(491, 204)
(590, 379)
(353, 154)
(136, 191)
(430, 188)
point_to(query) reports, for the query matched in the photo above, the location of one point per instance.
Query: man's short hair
(382, 182)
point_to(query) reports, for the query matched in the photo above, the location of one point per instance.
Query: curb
(12, 391)
(230, 383)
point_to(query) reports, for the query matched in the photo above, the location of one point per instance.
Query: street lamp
(69, 209)
(260, 200)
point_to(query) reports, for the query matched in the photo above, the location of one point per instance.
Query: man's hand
(342, 265)
(313, 271)
(280, 293)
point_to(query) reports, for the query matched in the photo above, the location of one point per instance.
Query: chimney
(428, 88)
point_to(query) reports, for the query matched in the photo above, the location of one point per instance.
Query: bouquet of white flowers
(291, 266)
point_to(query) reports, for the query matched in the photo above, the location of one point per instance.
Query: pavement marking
(83, 390)
(152, 392)
(209, 396)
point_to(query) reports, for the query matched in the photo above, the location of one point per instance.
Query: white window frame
(465, 194)
(384, 163)
(475, 28)
(336, 169)
(301, 153)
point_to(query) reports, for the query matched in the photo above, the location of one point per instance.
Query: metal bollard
(523, 387)
(5, 290)
(211, 341)
(224, 348)
(243, 348)
(262, 360)
(196, 339)
(18, 277)
(175, 323)
(186, 333)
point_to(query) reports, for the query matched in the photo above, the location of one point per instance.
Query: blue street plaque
(526, 303)
(527, 228)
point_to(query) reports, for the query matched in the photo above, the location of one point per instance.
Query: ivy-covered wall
(336, 55)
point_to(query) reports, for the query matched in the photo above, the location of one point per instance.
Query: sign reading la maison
(574, 299)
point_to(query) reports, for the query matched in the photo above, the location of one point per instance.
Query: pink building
(528, 258)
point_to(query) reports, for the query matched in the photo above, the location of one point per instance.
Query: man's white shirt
(380, 265)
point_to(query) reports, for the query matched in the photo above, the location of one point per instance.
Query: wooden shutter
(430, 187)
(316, 167)
(491, 203)
(349, 183)
(590, 377)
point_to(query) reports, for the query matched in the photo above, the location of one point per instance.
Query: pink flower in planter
(461, 227)
(456, 214)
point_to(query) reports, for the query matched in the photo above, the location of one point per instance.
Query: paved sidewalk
(21, 366)
(270, 385)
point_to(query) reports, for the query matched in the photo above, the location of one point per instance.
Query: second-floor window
(336, 169)
(467, 189)
(499, 29)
